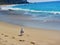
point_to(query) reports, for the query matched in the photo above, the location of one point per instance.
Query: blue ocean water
(41, 6)
(46, 10)
(41, 14)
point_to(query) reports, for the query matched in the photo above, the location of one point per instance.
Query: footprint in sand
(28, 35)
(5, 41)
(0, 38)
(12, 44)
(32, 42)
(4, 44)
(13, 37)
(21, 40)
(6, 35)
(2, 34)
(0, 42)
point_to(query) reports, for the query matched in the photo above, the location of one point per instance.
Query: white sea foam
(10, 7)
(6, 7)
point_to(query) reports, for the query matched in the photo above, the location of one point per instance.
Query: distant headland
(13, 1)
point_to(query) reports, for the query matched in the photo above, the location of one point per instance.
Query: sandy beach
(40, 28)
(9, 35)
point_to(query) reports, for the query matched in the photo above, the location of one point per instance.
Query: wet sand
(9, 35)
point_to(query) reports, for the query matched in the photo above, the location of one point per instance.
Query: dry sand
(9, 35)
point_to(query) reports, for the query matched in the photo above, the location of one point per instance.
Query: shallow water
(32, 21)
(41, 6)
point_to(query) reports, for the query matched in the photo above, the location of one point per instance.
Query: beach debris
(10, 9)
(21, 32)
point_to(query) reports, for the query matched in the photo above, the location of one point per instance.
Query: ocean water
(41, 6)
(39, 15)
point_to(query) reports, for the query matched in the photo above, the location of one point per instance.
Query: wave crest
(28, 10)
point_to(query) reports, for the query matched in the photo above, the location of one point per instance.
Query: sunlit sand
(9, 35)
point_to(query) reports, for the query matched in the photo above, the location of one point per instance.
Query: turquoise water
(41, 6)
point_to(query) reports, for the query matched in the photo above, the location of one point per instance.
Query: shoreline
(27, 26)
